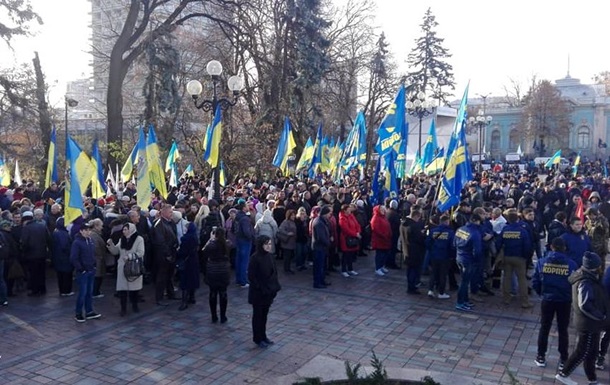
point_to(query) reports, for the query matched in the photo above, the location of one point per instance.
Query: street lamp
(420, 107)
(480, 122)
(69, 102)
(195, 88)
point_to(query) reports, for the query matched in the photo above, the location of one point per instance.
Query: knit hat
(325, 210)
(591, 261)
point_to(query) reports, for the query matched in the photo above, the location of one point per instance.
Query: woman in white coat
(267, 226)
(129, 244)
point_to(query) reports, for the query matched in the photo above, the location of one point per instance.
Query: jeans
(477, 278)
(300, 254)
(413, 277)
(467, 272)
(242, 257)
(85, 292)
(381, 256)
(438, 278)
(548, 309)
(3, 290)
(318, 267)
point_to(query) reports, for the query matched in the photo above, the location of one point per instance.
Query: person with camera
(130, 246)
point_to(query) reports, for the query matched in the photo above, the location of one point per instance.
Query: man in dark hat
(590, 312)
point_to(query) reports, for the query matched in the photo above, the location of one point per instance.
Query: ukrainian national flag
(127, 169)
(51, 176)
(222, 178)
(437, 163)
(80, 173)
(5, 175)
(144, 196)
(306, 156)
(576, 164)
(188, 172)
(459, 124)
(98, 184)
(213, 137)
(284, 147)
(157, 175)
(555, 159)
(326, 153)
(317, 153)
(457, 174)
(172, 156)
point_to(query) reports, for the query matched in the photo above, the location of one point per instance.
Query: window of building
(495, 140)
(583, 138)
(514, 140)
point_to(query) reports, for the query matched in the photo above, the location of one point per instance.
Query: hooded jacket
(590, 301)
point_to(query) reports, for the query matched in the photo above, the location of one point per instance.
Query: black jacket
(164, 238)
(35, 240)
(262, 275)
(589, 301)
(556, 229)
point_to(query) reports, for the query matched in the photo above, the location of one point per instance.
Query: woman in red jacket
(350, 230)
(381, 238)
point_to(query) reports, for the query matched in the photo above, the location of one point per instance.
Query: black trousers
(288, 255)
(548, 311)
(37, 279)
(605, 342)
(163, 278)
(97, 285)
(586, 353)
(218, 293)
(347, 258)
(259, 321)
(64, 282)
(440, 269)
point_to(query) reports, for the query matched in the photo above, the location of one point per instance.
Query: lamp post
(480, 122)
(195, 88)
(420, 107)
(69, 102)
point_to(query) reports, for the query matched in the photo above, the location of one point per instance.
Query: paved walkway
(313, 330)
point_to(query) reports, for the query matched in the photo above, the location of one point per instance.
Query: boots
(133, 298)
(184, 303)
(123, 298)
(223, 306)
(192, 297)
(213, 307)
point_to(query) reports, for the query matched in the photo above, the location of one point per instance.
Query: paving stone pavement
(40, 343)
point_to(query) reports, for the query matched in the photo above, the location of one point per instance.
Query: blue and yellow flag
(317, 153)
(437, 163)
(354, 153)
(416, 166)
(459, 124)
(457, 174)
(51, 176)
(98, 184)
(326, 154)
(143, 185)
(555, 159)
(127, 169)
(306, 156)
(188, 172)
(431, 146)
(222, 178)
(375, 187)
(5, 174)
(285, 146)
(391, 129)
(81, 171)
(172, 156)
(214, 135)
(390, 188)
(576, 164)
(157, 175)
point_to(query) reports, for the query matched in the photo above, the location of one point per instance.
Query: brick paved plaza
(313, 329)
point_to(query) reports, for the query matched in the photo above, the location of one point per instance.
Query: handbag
(134, 267)
(352, 242)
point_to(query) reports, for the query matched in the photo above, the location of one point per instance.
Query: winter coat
(267, 226)
(187, 254)
(413, 239)
(320, 234)
(348, 223)
(60, 252)
(262, 275)
(555, 230)
(100, 253)
(244, 231)
(35, 241)
(288, 242)
(380, 231)
(137, 248)
(218, 269)
(82, 255)
(576, 245)
(590, 304)
(598, 231)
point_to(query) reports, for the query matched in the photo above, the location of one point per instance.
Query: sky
(491, 42)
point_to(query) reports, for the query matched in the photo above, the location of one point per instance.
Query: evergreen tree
(430, 71)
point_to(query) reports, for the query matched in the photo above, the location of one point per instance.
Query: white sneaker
(565, 380)
(431, 294)
(352, 272)
(345, 274)
(443, 296)
(385, 270)
(379, 272)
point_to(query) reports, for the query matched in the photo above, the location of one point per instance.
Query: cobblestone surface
(42, 344)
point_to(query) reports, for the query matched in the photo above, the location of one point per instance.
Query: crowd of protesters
(513, 234)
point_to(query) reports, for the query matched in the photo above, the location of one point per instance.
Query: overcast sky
(491, 41)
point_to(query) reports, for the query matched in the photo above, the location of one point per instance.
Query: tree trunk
(43, 107)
